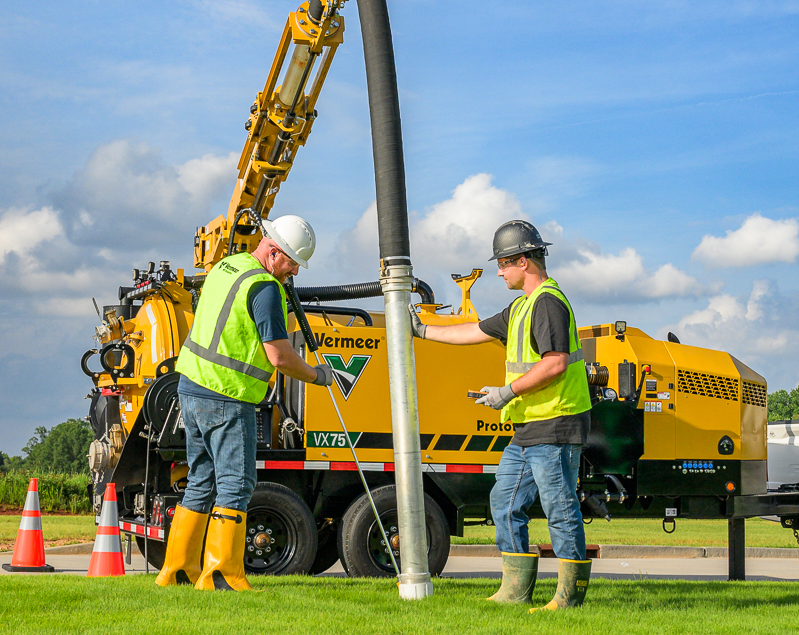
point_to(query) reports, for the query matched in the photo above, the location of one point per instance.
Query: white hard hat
(294, 236)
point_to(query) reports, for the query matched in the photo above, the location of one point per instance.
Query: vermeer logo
(346, 375)
(227, 268)
(327, 341)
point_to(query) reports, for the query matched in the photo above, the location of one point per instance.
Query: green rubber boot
(573, 578)
(519, 571)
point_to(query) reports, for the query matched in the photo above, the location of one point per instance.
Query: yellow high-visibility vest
(568, 393)
(223, 351)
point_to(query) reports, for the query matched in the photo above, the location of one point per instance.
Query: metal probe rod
(305, 329)
(360, 473)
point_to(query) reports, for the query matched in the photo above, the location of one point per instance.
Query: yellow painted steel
(155, 334)
(701, 394)
(690, 421)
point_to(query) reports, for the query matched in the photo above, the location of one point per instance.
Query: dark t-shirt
(549, 331)
(265, 307)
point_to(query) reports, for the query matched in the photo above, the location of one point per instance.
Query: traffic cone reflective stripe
(107, 559)
(29, 548)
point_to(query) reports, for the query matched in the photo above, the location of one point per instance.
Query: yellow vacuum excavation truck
(677, 431)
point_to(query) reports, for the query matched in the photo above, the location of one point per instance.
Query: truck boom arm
(280, 121)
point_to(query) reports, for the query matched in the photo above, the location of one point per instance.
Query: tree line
(62, 449)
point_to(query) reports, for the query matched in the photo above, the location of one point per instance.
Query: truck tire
(327, 553)
(156, 551)
(281, 532)
(359, 540)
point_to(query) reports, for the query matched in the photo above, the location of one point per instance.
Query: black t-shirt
(265, 307)
(549, 332)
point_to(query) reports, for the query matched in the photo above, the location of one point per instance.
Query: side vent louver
(706, 385)
(754, 394)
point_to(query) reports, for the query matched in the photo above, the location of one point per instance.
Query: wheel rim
(271, 541)
(378, 545)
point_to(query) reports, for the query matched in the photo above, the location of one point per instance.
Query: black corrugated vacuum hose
(381, 82)
(358, 291)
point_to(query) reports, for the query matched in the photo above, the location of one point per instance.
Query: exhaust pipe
(396, 278)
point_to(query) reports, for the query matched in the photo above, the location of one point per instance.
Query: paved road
(476, 567)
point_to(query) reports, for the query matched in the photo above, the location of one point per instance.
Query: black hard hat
(517, 237)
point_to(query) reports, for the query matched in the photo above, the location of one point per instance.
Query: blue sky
(655, 144)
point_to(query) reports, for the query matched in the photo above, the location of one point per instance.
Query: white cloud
(622, 278)
(22, 230)
(458, 232)
(759, 240)
(759, 329)
(129, 197)
(203, 178)
(125, 207)
(454, 235)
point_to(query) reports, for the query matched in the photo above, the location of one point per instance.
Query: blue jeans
(220, 448)
(549, 471)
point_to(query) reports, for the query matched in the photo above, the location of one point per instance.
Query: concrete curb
(82, 548)
(633, 551)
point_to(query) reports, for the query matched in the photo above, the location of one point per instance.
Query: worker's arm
(551, 366)
(265, 306)
(550, 330)
(283, 357)
(466, 333)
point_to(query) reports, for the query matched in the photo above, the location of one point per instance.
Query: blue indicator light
(694, 465)
(684, 465)
(711, 465)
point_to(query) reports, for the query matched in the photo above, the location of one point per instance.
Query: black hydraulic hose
(381, 81)
(424, 290)
(338, 310)
(236, 220)
(359, 290)
(299, 314)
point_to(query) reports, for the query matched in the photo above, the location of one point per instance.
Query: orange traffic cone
(29, 547)
(107, 553)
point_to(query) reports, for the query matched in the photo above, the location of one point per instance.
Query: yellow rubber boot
(573, 576)
(519, 571)
(182, 563)
(223, 569)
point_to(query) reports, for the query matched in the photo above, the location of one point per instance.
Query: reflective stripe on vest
(568, 393)
(209, 354)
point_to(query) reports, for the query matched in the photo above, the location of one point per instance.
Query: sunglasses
(504, 265)
(294, 264)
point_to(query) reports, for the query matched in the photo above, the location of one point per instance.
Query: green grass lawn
(71, 604)
(697, 533)
(646, 531)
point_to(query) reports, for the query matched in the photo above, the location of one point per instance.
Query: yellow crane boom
(281, 118)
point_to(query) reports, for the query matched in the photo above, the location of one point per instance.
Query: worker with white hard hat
(238, 339)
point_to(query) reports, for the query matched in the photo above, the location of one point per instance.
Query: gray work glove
(497, 398)
(416, 324)
(324, 375)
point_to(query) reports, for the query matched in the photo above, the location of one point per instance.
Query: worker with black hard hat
(546, 398)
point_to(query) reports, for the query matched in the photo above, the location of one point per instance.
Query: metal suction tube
(397, 282)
